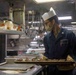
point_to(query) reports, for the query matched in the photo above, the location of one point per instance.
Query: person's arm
(74, 51)
(72, 40)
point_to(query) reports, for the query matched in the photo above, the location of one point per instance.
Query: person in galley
(59, 44)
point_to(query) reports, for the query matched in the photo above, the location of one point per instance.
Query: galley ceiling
(68, 7)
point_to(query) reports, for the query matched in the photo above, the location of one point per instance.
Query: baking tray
(17, 67)
(47, 62)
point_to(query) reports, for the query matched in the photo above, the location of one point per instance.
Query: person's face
(49, 25)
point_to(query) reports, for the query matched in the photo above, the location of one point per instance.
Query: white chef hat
(49, 14)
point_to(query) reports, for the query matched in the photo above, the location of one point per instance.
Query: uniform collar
(61, 33)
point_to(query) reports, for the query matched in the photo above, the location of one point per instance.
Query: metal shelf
(3, 42)
(11, 32)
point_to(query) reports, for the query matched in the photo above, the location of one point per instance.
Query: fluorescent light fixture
(65, 18)
(73, 22)
(30, 12)
(34, 22)
(44, 1)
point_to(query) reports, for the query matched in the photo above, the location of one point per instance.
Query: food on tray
(1, 25)
(15, 27)
(69, 58)
(22, 59)
(19, 28)
(43, 60)
(30, 59)
(19, 59)
(36, 59)
(9, 25)
(41, 56)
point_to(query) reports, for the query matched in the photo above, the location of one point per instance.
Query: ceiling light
(44, 1)
(65, 18)
(73, 22)
(30, 12)
(34, 22)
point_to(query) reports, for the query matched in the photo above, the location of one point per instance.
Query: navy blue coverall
(59, 48)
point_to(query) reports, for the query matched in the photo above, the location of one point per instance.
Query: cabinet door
(18, 17)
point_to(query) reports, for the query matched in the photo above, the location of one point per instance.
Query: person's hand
(69, 58)
(41, 56)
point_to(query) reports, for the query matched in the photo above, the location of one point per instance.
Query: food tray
(45, 62)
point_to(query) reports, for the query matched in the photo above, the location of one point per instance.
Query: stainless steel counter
(19, 69)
